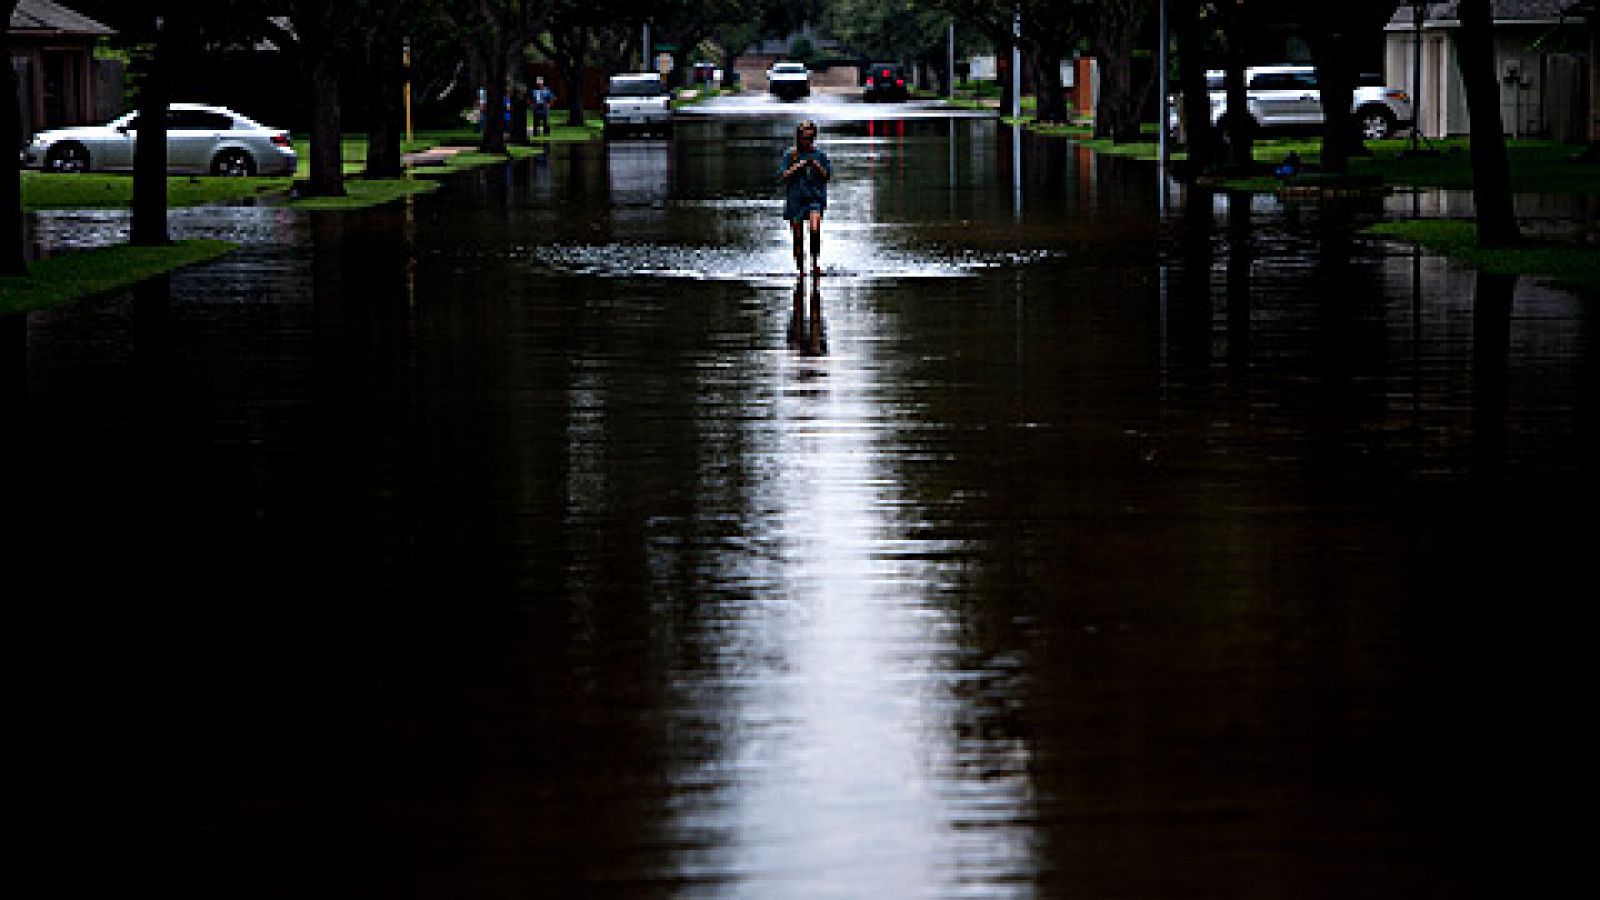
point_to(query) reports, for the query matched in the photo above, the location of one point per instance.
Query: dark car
(884, 81)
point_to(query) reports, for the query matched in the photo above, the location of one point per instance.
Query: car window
(1215, 83)
(1305, 81)
(629, 88)
(1274, 81)
(197, 120)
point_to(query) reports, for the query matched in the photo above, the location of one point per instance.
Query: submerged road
(544, 537)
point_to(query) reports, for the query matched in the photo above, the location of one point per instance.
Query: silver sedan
(200, 139)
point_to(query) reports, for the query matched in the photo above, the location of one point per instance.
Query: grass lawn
(1536, 166)
(46, 190)
(1574, 264)
(73, 276)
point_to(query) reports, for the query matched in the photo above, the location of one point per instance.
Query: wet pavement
(542, 536)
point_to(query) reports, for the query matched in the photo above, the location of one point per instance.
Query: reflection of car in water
(789, 80)
(638, 102)
(639, 177)
(884, 81)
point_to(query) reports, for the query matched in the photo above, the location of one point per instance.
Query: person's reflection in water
(806, 334)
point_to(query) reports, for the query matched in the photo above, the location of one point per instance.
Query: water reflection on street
(546, 536)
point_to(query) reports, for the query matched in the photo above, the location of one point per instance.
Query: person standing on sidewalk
(805, 172)
(540, 99)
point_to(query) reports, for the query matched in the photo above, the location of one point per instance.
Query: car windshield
(634, 87)
(789, 68)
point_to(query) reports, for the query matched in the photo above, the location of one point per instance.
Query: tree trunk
(1238, 126)
(519, 112)
(148, 227)
(1336, 81)
(1198, 133)
(12, 258)
(565, 48)
(1117, 112)
(327, 157)
(1049, 93)
(1491, 169)
(388, 112)
(494, 106)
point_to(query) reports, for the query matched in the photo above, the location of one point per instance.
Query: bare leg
(816, 243)
(797, 229)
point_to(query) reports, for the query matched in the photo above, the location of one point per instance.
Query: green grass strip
(46, 190)
(1574, 264)
(1147, 150)
(73, 276)
(361, 193)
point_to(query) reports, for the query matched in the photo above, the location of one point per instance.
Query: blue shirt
(807, 190)
(541, 98)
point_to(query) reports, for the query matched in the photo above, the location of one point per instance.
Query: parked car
(789, 80)
(637, 102)
(200, 139)
(884, 81)
(706, 73)
(1287, 97)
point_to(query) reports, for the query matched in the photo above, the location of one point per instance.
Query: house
(1543, 53)
(59, 80)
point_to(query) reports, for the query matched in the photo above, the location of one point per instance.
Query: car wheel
(67, 158)
(1377, 123)
(233, 164)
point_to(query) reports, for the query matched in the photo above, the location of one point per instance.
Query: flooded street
(544, 537)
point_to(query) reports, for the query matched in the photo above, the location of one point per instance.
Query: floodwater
(543, 537)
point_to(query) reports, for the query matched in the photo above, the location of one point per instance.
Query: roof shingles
(51, 17)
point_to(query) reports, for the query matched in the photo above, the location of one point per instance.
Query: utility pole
(405, 61)
(1164, 90)
(645, 50)
(1419, 11)
(950, 62)
(1016, 62)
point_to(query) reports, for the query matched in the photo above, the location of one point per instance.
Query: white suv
(638, 101)
(1282, 97)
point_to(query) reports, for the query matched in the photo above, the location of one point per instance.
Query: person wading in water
(805, 172)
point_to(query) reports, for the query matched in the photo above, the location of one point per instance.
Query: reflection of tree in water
(1491, 367)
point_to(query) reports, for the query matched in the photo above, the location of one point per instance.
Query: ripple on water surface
(763, 263)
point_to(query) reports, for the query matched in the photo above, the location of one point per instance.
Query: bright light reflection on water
(843, 768)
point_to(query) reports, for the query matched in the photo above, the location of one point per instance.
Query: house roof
(1503, 10)
(47, 17)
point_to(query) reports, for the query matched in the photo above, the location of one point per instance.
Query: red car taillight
(886, 73)
(279, 140)
(899, 82)
(869, 81)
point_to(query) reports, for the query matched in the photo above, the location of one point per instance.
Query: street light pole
(950, 62)
(405, 62)
(644, 50)
(1419, 11)
(1161, 122)
(1016, 62)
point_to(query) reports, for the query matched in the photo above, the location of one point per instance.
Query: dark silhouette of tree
(12, 260)
(1491, 169)
(495, 34)
(1114, 28)
(320, 32)
(148, 224)
(1193, 29)
(1336, 33)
